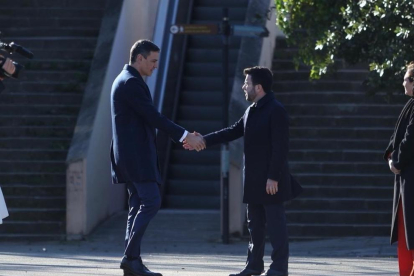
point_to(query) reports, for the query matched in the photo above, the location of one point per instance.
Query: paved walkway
(187, 244)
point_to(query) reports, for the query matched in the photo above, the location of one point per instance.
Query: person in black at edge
(400, 157)
(267, 180)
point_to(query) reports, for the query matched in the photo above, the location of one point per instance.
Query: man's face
(408, 84)
(147, 65)
(248, 88)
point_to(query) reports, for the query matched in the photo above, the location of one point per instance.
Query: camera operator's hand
(8, 66)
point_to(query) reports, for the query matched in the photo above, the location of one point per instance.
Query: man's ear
(258, 87)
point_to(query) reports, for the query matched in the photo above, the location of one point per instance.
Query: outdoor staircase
(38, 112)
(337, 138)
(193, 179)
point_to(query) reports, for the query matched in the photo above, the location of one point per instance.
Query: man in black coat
(7, 68)
(267, 180)
(133, 150)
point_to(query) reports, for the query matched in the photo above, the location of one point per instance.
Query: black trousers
(144, 202)
(272, 217)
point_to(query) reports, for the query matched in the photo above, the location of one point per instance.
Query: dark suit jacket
(401, 148)
(266, 145)
(134, 120)
(1, 86)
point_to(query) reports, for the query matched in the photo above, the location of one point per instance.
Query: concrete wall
(253, 51)
(91, 197)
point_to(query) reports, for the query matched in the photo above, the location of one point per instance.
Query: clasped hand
(194, 141)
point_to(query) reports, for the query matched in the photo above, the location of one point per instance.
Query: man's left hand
(272, 187)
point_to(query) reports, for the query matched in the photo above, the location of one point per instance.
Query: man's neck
(257, 99)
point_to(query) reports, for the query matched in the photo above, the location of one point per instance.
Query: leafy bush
(376, 32)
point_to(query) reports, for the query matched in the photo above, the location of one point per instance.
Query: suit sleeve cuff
(184, 135)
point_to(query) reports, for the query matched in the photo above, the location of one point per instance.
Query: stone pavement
(186, 243)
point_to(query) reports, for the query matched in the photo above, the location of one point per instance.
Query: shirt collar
(132, 70)
(266, 98)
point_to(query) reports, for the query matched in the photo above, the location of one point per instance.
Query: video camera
(13, 48)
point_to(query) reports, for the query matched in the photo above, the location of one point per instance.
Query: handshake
(194, 141)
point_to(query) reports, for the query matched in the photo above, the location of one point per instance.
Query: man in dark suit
(267, 180)
(133, 151)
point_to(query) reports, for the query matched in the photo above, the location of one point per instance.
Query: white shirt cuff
(184, 135)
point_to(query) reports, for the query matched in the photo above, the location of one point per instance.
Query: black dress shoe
(247, 272)
(136, 268)
(272, 272)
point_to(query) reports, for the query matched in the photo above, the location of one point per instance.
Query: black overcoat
(265, 128)
(134, 120)
(401, 148)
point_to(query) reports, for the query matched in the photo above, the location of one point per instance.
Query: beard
(249, 95)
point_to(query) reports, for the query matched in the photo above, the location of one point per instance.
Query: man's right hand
(8, 66)
(194, 141)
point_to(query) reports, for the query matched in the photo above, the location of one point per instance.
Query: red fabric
(405, 256)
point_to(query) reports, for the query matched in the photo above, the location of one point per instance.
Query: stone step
(340, 167)
(334, 109)
(34, 144)
(61, 55)
(45, 202)
(221, 4)
(35, 4)
(194, 172)
(38, 109)
(342, 121)
(202, 127)
(9, 121)
(343, 179)
(31, 237)
(297, 143)
(209, 55)
(340, 204)
(193, 69)
(34, 215)
(321, 85)
(341, 132)
(46, 87)
(30, 227)
(25, 23)
(33, 190)
(289, 65)
(59, 66)
(43, 98)
(191, 202)
(28, 150)
(55, 75)
(205, 157)
(367, 192)
(201, 98)
(216, 13)
(334, 217)
(39, 178)
(337, 97)
(211, 42)
(209, 188)
(54, 42)
(50, 14)
(204, 83)
(38, 31)
(32, 166)
(200, 113)
(328, 230)
(36, 131)
(339, 155)
(303, 75)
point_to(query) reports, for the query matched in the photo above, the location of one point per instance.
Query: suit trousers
(405, 256)
(144, 202)
(272, 217)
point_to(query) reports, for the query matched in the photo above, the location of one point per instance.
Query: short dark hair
(143, 47)
(260, 75)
